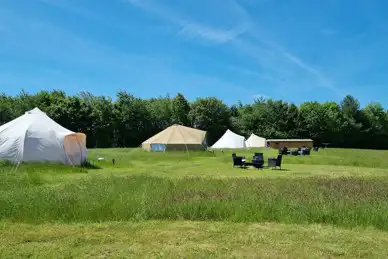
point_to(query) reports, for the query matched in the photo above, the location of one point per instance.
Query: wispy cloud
(187, 27)
(276, 64)
(279, 64)
(193, 29)
(323, 80)
(54, 57)
(253, 62)
(190, 27)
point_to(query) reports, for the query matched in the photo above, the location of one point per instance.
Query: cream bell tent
(177, 137)
(255, 141)
(230, 140)
(35, 137)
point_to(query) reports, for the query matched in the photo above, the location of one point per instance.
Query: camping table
(256, 165)
(272, 162)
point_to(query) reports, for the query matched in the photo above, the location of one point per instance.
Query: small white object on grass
(100, 159)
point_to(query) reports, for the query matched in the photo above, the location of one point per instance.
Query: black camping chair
(283, 151)
(238, 160)
(258, 160)
(306, 152)
(275, 162)
(258, 155)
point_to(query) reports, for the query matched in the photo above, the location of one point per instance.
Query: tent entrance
(158, 147)
(73, 147)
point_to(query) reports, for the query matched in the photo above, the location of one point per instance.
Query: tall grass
(345, 202)
(44, 192)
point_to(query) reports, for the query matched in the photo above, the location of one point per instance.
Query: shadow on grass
(264, 169)
(279, 169)
(44, 167)
(91, 166)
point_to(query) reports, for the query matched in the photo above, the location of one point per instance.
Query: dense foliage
(127, 121)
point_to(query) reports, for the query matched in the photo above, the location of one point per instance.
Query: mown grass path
(188, 239)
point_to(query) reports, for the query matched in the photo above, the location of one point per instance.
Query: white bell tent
(230, 140)
(35, 137)
(255, 141)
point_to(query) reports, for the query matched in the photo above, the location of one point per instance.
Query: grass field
(333, 203)
(188, 239)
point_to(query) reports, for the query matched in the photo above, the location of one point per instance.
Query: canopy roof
(230, 140)
(34, 120)
(178, 134)
(255, 141)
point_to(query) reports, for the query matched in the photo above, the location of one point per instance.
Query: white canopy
(230, 140)
(35, 137)
(255, 141)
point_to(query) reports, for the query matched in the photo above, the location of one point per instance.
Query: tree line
(128, 120)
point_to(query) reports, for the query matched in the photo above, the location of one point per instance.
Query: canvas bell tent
(230, 140)
(255, 141)
(35, 137)
(177, 137)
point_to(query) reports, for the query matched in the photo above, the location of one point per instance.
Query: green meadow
(333, 203)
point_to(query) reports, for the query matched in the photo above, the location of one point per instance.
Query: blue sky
(295, 50)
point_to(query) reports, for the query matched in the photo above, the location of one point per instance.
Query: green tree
(58, 110)
(350, 108)
(322, 122)
(132, 120)
(334, 123)
(212, 115)
(23, 102)
(99, 127)
(375, 126)
(43, 100)
(275, 118)
(376, 117)
(6, 109)
(180, 110)
(312, 120)
(160, 110)
(128, 120)
(251, 118)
